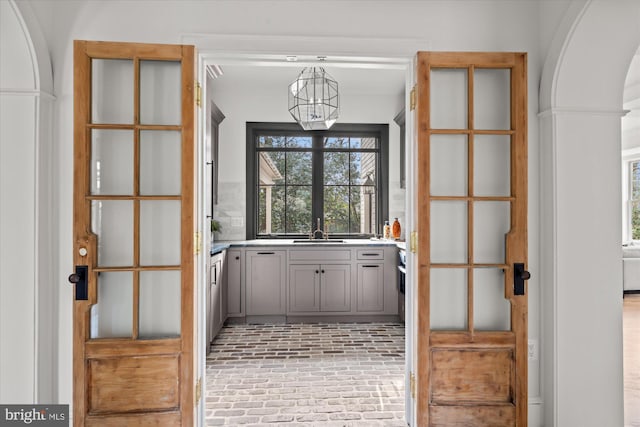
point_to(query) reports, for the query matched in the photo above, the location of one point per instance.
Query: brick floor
(342, 375)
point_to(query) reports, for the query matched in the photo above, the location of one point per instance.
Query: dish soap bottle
(386, 231)
(395, 229)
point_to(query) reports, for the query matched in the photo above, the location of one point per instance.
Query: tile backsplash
(231, 210)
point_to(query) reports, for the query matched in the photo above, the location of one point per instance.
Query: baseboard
(389, 318)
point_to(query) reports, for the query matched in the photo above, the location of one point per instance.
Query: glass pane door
(135, 163)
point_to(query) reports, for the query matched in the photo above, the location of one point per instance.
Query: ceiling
(351, 80)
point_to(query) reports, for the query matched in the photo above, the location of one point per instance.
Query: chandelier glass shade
(313, 99)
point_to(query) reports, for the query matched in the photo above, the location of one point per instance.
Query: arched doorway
(581, 109)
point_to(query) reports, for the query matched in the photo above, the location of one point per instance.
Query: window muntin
(295, 176)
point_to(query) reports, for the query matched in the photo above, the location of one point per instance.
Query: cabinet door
(210, 303)
(335, 287)
(370, 292)
(234, 290)
(222, 289)
(215, 297)
(266, 279)
(304, 288)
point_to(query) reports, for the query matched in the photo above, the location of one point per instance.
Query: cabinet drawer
(320, 256)
(370, 254)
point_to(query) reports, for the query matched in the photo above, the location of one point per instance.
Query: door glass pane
(492, 98)
(449, 94)
(112, 91)
(492, 165)
(448, 165)
(448, 232)
(112, 222)
(491, 311)
(160, 163)
(159, 304)
(112, 315)
(448, 298)
(160, 232)
(111, 162)
(160, 92)
(491, 222)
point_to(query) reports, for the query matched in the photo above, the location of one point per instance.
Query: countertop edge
(218, 247)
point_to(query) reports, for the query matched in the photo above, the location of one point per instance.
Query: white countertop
(306, 242)
(218, 246)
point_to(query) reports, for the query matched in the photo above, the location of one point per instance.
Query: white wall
(28, 320)
(382, 28)
(255, 102)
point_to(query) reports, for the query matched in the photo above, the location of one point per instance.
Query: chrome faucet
(323, 235)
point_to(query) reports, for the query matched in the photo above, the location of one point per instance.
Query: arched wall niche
(581, 97)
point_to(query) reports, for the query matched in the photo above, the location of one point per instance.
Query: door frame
(208, 59)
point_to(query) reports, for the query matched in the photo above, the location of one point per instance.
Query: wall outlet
(533, 350)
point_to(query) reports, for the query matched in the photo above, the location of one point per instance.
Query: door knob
(525, 275)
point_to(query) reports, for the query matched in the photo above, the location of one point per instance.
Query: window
(295, 177)
(634, 199)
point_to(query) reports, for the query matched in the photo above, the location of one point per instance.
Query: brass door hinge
(413, 242)
(412, 384)
(197, 242)
(198, 390)
(412, 98)
(198, 90)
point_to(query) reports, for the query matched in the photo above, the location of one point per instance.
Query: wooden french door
(471, 119)
(133, 226)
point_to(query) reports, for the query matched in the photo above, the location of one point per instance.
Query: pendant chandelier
(313, 99)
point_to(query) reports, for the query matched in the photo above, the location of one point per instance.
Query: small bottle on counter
(395, 229)
(386, 231)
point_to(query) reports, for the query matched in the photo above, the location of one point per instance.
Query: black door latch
(519, 276)
(79, 278)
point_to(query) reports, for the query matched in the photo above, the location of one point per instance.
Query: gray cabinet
(235, 294)
(370, 288)
(319, 288)
(265, 282)
(304, 288)
(273, 283)
(216, 302)
(335, 287)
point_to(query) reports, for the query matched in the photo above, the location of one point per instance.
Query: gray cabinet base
(390, 318)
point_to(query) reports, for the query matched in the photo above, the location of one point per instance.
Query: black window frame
(255, 129)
